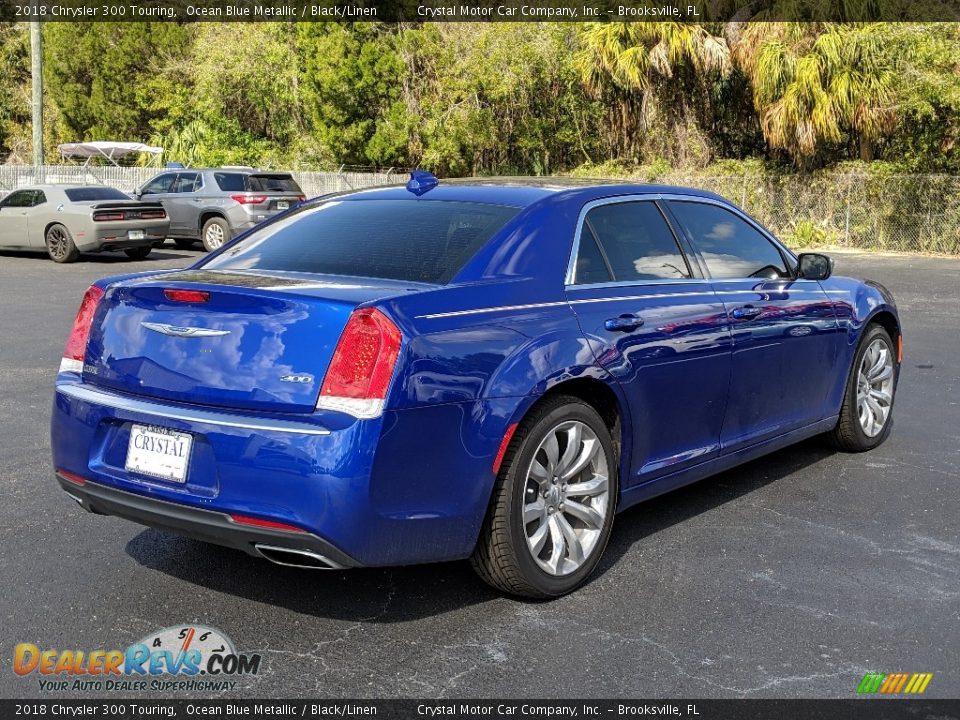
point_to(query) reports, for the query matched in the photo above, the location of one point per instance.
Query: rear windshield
(94, 193)
(240, 182)
(418, 241)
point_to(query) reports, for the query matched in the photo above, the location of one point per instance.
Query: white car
(66, 220)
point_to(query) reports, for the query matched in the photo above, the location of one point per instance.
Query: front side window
(731, 247)
(629, 241)
(39, 198)
(419, 241)
(160, 184)
(20, 198)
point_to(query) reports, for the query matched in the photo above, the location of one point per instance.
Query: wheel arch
(206, 215)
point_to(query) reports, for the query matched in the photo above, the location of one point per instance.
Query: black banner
(855, 709)
(479, 10)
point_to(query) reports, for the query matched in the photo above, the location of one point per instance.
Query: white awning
(107, 150)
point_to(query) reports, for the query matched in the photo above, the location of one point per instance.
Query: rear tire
(60, 245)
(216, 232)
(867, 412)
(548, 521)
(139, 253)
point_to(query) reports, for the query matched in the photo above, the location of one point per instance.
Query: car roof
(523, 191)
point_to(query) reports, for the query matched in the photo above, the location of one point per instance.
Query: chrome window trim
(98, 397)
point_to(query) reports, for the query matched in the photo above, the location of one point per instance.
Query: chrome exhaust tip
(297, 558)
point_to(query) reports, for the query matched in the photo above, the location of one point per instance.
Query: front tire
(60, 245)
(215, 233)
(553, 503)
(867, 413)
(139, 253)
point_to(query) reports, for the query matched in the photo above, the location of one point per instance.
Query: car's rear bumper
(409, 487)
(206, 525)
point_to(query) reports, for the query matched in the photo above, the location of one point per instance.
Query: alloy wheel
(214, 236)
(57, 242)
(875, 387)
(566, 498)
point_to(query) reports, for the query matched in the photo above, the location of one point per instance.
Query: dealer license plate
(282, 205)
(136, 235)
(159, 452)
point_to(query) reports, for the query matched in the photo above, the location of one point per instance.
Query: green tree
(817, 84)
(113, 80)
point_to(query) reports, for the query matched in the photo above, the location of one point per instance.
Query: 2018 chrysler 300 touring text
(484, 369)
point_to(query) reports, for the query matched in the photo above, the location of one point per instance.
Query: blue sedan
(483, 369)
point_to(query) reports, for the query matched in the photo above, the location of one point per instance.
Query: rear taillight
(301, 198)
(249, 199)
(153, 214)
(76, 347)
(108, 216)
(359, 374)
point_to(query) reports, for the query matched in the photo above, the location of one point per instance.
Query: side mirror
(814, 266)
(137, 192)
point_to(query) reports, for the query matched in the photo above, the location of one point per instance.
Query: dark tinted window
(637, 241)
(420, 241)
(186, 183)
(731, 247)
(20, 198)
(89, 194)
(591, 265)
(231, 182)
(160, 184)
(273, 183)
(39, 197)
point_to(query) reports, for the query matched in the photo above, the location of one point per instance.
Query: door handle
(623, 323)
(747, 312)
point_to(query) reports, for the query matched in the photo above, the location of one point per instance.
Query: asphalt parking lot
(789, 577)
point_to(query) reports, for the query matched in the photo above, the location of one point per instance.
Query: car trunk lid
(238, 340)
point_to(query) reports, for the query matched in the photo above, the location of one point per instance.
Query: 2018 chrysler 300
(484, 369)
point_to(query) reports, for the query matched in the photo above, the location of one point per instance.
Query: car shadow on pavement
(389, 595)
(653, 516)
(107, 258)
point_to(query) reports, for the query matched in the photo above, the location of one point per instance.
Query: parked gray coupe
(69, 219)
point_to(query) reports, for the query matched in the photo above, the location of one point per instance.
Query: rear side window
(634, 241)
(186, 183)
(419, 241)
(731, 247)
(231, 182)
(89, 194)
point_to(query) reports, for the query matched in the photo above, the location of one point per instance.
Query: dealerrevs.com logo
(185, 658)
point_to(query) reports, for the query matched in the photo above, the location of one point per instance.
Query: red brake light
(76, 347)
(105, 216)
(362, 366)
(249, 199)
(271, 524)
(190, 296)
(153, 214)
(75, 479)
(301, 198)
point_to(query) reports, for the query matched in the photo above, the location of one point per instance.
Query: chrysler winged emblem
(181, 331)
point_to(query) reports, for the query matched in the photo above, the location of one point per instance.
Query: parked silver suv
(214, 205)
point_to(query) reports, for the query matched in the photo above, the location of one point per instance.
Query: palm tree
(817, 83)
(644, 68)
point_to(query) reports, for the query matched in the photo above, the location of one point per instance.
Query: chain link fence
(907, 213)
